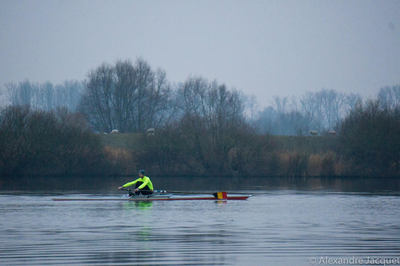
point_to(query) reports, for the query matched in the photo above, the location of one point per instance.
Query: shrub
(328, 164)
(297, 165)
(34, 142)
(370, 138)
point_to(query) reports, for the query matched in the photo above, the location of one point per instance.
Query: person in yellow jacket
(143, 185)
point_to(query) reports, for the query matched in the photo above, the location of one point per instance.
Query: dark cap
(141, 171)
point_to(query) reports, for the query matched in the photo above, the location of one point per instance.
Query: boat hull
(158, 198)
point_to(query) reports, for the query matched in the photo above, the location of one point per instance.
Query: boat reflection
(140, 205)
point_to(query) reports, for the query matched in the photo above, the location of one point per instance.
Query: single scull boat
(164, 196)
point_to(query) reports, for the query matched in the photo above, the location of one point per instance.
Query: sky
(263, 48)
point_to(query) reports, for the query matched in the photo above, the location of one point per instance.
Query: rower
(143, 185)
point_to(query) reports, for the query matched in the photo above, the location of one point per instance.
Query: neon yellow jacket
(146, 182)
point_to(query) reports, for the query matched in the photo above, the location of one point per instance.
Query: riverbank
(35, 143)
(267, 155)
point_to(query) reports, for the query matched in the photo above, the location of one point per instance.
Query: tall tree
(213, 119)
(125, 96)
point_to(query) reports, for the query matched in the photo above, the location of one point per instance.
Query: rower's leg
(136, 186)
(146, 191)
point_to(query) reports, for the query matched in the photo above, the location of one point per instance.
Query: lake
(276, 226)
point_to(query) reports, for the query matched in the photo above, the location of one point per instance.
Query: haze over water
(274, 227)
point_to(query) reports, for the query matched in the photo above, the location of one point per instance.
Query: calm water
(281, 227)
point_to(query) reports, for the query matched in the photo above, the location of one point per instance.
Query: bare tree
(97, 100)
(126, 97)
(389, 97)
(319, 111)
(311, 107)
(21, 93)
(332, 104)
(325, 108)
(212, 118)
(352, 101)
(45, 96)
(218, 106)
(280, 104)
(68, 94)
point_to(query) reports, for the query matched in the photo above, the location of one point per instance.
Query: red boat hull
(160, 198)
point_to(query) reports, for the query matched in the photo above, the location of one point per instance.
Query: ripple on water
(274, 228)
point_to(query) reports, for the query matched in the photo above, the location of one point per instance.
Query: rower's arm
(145, 182)
(130, 183)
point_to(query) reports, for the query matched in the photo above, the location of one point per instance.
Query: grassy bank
(303, 144)
(128, 141)
(264, 156)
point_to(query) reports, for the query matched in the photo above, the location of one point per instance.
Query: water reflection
(140, 205)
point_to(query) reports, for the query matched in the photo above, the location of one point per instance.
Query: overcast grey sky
(264, 48)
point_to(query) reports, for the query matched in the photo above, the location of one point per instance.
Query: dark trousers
(143, 191)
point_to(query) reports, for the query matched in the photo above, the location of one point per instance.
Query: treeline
(367, 144)
(132, 97)
(44, 96)
(202, 128)
(319, 111)
(370, 138)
